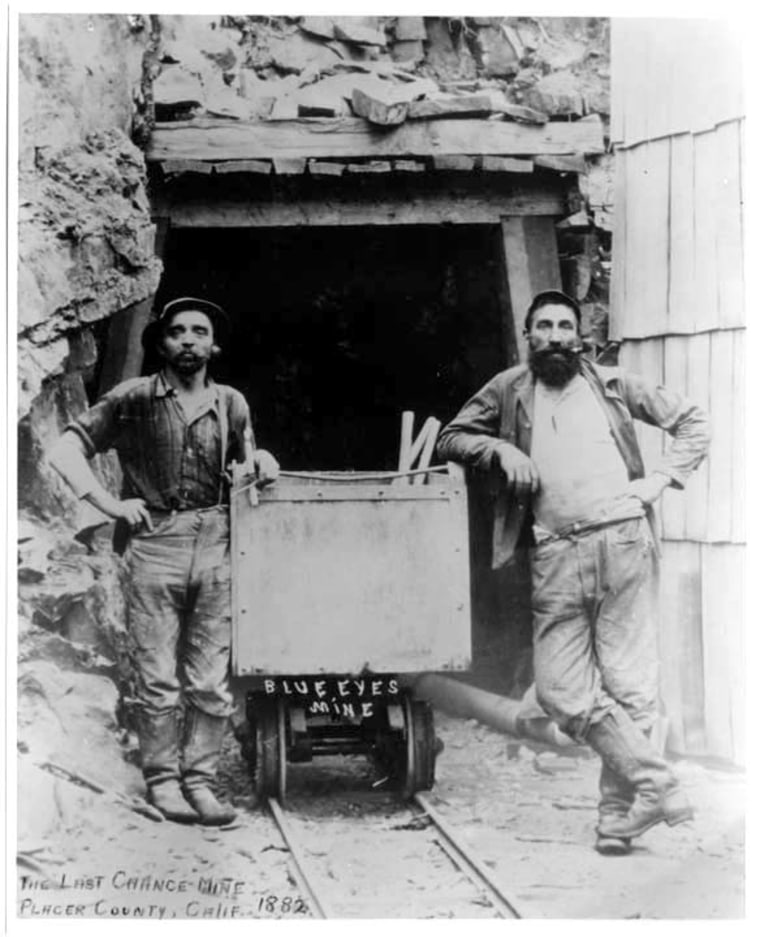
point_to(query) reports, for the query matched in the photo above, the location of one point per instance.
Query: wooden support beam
(344, 208)
(531, 262)
(374, 166)
(172, 167)
(455, 163)
(353, 138)
(289, 167)
(408, 165)
(317, 168)
(262, 167)
(506, 164)
(562, 163)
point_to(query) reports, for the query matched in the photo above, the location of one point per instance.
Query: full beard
(555, 366)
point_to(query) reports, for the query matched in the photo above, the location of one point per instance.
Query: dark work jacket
(501, 413)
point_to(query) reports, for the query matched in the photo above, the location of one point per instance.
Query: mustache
(567, 351)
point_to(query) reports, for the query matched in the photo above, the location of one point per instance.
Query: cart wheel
(270, 765)
(418, 760)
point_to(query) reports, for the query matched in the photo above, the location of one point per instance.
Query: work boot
(628, 752)
(159, 752)
(204, 735)
(615, 801)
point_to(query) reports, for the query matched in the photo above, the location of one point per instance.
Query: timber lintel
(207, 140)
(415, 207)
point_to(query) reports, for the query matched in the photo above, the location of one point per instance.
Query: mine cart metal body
(345, 585)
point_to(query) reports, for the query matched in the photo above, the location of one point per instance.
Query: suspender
(224, 428)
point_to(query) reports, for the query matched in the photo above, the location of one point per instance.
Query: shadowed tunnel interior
(337, 330)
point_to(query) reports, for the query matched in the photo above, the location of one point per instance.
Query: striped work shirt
(171, 461)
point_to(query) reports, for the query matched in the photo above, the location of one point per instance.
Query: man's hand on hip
(648, 489)
(520, 472)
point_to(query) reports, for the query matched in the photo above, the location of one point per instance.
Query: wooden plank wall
(678, 307)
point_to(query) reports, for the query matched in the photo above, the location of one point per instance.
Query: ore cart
(345, 586)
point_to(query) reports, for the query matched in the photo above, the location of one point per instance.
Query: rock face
(85, 232)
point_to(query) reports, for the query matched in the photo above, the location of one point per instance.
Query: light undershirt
(582, 473)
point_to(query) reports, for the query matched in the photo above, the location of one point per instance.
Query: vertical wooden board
(730, 258)
(652, 313)
(721, 459)
(532, 264)
(681, 299)
(722, 625)
(681, 638)
(637, 236)
(720, 95)
(706, 176)
(659, 80)
(675, 92)
(738, 453)
(669, 648)
(698, 390)
(691, 75)
(637, 67)
(620, 77)
(618, 296)
(675, 377)
(651, 438)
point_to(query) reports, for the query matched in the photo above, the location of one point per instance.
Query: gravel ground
(528, 814)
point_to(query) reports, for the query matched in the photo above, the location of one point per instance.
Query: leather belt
(585, 527)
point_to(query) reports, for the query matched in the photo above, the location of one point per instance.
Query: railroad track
(438, 854)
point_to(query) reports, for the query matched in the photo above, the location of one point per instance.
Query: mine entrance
(337, 330)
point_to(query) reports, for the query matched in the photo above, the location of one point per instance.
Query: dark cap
(217, 315)
(546, 298)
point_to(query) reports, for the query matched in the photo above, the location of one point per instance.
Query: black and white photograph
(378, 498)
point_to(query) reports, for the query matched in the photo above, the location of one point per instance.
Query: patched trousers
(594, 626)
(179, 611)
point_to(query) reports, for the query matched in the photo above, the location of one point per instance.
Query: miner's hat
(545, 297)
(217, 315)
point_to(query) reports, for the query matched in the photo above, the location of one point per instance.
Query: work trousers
(594, 626)
(179, 611)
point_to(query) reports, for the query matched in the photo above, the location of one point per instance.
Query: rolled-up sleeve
(98, 427)
(472, 437)
(240, 422)
(686, 422)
